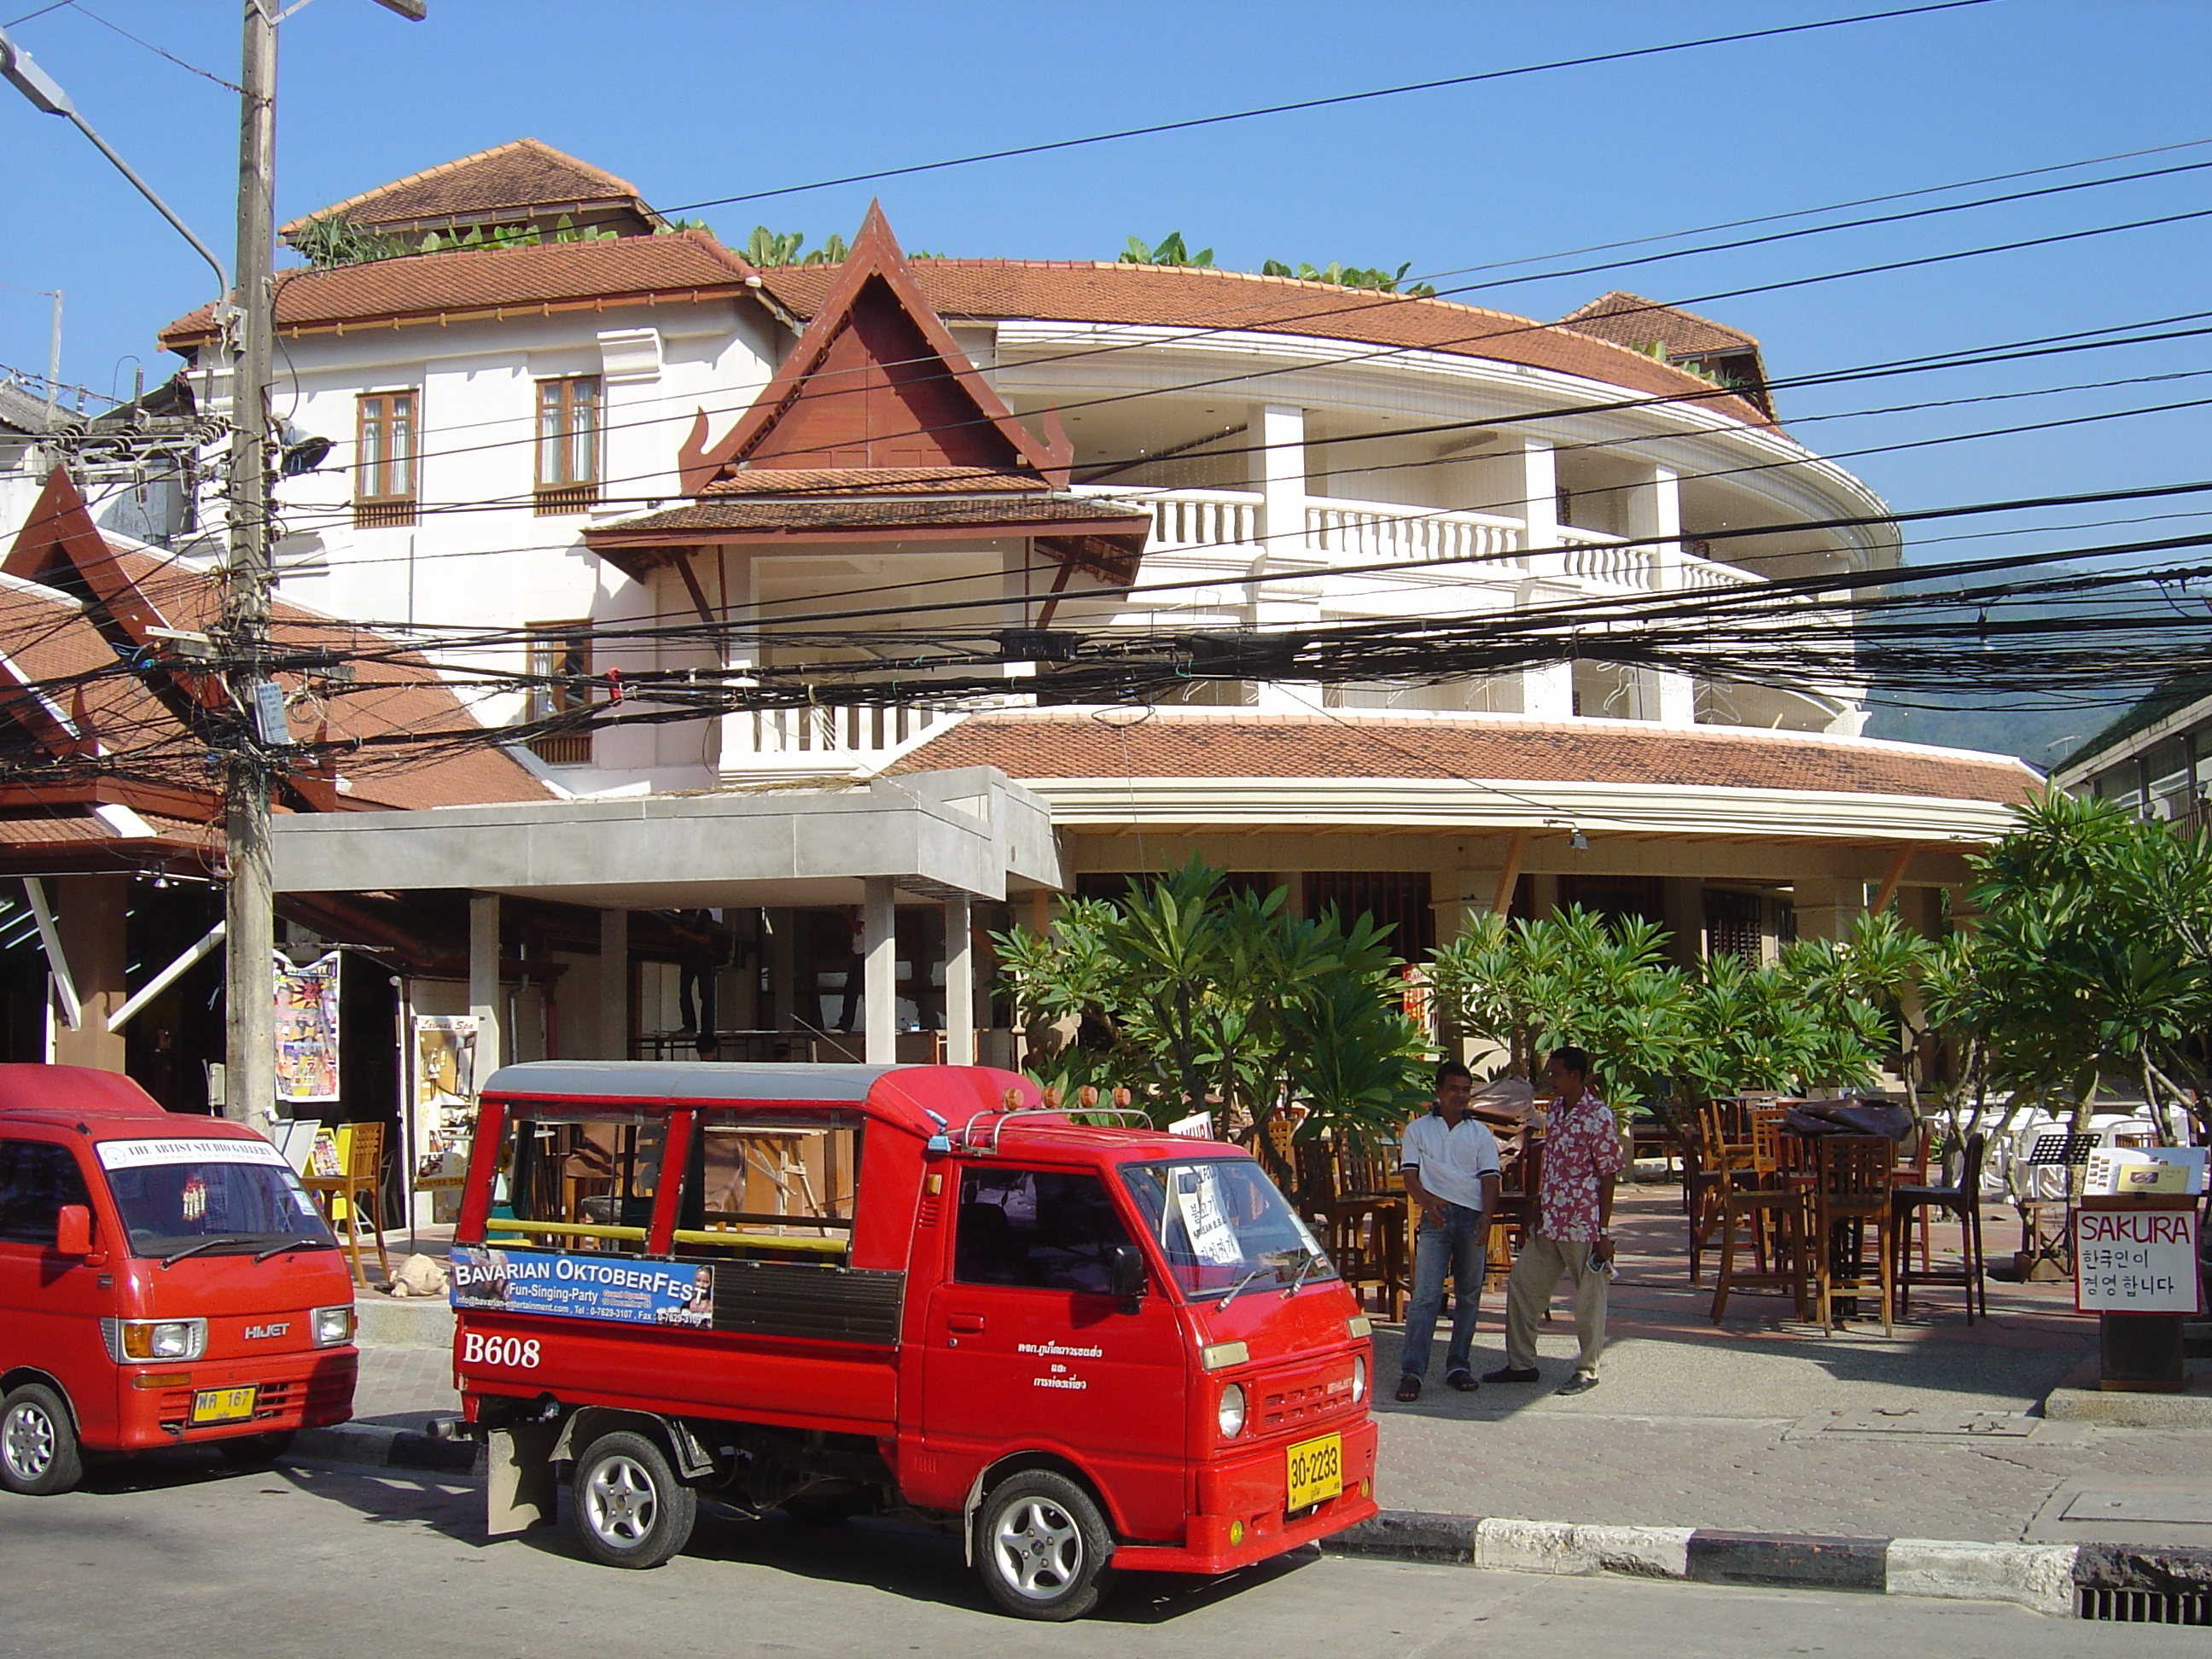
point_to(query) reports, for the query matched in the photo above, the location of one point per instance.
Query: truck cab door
(1028, 1350)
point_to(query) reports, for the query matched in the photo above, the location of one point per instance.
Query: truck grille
(1288, 1408)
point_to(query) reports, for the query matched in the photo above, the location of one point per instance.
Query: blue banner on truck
(618, 1288)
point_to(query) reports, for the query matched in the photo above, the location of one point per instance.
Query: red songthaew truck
(916, 1291)
(164, 1280)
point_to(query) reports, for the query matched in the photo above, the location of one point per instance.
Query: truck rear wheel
(1043, 1547)
(630, 1509)
(37, 1443)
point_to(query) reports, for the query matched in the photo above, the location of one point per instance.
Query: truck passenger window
(36, 1179)
(777, 1188)
(589, 1178)
(1037, 1227)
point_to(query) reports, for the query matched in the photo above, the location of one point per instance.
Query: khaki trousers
(1535, 1274)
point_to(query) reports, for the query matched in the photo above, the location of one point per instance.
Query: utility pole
(249, 937)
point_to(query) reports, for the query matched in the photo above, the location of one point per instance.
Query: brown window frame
(380, 416)
(546, 647)
(571, 481)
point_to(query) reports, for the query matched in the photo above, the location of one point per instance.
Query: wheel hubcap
(620, 1503)
(1039, 1549)
(27, 1441)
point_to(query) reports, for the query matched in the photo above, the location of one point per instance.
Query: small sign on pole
(2136, 1254)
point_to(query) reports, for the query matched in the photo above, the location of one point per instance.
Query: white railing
(1377, 530)
(1192, 518)
(1704, 576)
(859, 729)
(1596, 557)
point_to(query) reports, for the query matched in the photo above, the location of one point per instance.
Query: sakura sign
(2135, 1259)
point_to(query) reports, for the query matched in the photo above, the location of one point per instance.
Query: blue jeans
(1456, 1246)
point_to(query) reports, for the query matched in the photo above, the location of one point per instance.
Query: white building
(568, 435)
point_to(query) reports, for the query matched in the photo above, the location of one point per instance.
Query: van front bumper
(291, 1391)
(1241, 1519)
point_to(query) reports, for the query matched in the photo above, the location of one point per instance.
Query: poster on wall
(444, 1101)
(615, 1288)
(307, 1029)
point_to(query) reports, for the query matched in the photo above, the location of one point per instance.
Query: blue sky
(697, 100)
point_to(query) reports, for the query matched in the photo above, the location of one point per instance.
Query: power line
(1320, 103)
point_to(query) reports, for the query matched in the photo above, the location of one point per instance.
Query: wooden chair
(361, 1188)
(1912, 1204)
(1850, 1193)
(1772, 1211)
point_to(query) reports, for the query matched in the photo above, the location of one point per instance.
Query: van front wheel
(1043, 1547)
(630, 1509)
(37, 1443)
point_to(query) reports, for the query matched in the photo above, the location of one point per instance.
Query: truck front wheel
(630, 1509)
(1043, 1547)
(37, 1443)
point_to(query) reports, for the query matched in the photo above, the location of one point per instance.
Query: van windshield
(210, 1197)
(1223, 1226)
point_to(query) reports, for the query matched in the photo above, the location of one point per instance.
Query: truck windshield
(1223, 1226)
(211, 1197)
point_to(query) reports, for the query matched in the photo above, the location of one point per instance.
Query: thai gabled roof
(520, 180)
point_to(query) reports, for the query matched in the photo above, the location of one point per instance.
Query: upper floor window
(560, 669)
(384, 469)
(568, 444)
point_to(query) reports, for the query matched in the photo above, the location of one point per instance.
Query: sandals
(1463, 1381)
(1409, 1390)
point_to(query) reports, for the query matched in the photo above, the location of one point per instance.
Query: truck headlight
(139, 1339)
(1230, 1414)
(1358, 1378)
(332, 1325)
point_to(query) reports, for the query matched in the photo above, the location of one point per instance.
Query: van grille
(1286, 1408)
(2141, 1606)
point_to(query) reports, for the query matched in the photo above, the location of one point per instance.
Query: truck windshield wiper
(1312, 1261)
(302, 1242)
(205, 1245)
(1236, 1289)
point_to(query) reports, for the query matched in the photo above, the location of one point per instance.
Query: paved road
(188, 1558)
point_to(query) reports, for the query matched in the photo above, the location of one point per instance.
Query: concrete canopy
(969, 830)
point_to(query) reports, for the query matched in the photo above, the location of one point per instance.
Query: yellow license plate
(1317, 1470)
(222, 1404)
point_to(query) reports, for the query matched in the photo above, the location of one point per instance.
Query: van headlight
(1231, 1414)
(135, 1340)
(332, 1325)
(1358, 1378)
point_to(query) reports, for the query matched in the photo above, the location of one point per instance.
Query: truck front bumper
(1241, 1519)
(291, 1391)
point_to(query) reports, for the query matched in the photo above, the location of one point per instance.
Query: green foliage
(670, 227)
(1655, 1033)
(334, 239)
(2093, 955)
(1169, 253)
(1375, 278)
(1198, 999)
(766, 248)
(481, 236)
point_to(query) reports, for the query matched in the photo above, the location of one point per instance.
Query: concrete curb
(2050, 1578)
(383, 1448)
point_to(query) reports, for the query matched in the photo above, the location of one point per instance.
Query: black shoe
(1463, 1381)
(1511, 1374)
(1580, 1382)
(1409, 1390)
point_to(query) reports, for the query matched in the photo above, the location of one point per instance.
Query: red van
(164, 1280)
(846, 1289)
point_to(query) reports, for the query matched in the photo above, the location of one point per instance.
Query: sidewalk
(1761, 1425)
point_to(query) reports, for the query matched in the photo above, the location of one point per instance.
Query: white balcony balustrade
(1374, 531)
(854, 731)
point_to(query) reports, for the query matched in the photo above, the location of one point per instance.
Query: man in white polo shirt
(1449, 1162)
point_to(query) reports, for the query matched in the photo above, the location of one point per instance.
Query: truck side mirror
(73, 1230)
(1125, 1272)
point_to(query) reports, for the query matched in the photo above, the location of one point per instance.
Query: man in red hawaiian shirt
(1574, 1208)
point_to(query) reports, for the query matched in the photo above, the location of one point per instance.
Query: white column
(879, 980)
(483, 982)
(742, 737)
(1546, 693)
(1278, 473)
(1827, 910)
(614, 984)
(1656, 512)
(959, 983)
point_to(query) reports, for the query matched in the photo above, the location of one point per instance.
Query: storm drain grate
(2140, 1606)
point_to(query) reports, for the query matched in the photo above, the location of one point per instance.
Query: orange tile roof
(1192, 297)
(500, 182)
(788, 482)
(1193, 744)
(1632, 320)
(431, 288)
